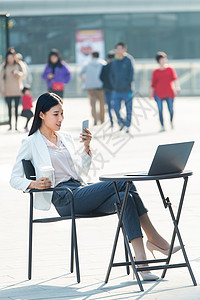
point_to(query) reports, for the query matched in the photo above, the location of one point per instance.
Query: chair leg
(30, 237)
(72, 252)
(74, 239)
(75, 249)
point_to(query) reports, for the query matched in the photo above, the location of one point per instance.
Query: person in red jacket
(27, 105)
(163, 86)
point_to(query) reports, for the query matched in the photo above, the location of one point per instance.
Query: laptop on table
(169, 158)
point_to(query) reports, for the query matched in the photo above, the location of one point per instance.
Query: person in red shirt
(163, 86)
(27, 105)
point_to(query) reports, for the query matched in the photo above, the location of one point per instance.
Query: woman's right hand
(15, 73)
(40, 184)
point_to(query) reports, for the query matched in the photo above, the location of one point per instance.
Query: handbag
(58, 86)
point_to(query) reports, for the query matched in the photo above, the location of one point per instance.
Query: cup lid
(47, 168)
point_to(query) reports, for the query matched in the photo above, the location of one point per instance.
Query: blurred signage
(88, 41)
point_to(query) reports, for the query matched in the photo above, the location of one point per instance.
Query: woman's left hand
(86, 139)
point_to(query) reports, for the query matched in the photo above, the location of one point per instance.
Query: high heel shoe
(151, 247)
(148, 276)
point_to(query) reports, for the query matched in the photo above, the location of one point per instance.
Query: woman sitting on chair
(45, 146)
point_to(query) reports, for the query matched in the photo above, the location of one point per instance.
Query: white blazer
(34, 148)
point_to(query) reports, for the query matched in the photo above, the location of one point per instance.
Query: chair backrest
(28, 169)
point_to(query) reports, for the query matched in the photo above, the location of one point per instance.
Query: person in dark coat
(122, 76)
(107, 86)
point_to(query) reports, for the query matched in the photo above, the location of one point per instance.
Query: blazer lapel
(42, 154)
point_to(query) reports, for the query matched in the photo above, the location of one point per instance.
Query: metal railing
(188, 74)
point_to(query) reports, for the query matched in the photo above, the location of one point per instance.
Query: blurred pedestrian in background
(90, 74)
(107, 86)
(121, 77)
(56, 73)
(12, 74)
(28, 79)
(164, 85)
(27, 105)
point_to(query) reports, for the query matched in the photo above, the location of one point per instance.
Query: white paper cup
(48, 172)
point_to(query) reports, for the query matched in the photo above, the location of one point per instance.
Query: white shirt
(34, 148)
(61, 161)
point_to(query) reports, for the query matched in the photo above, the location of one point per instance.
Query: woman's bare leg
(152, 235)
(138, 247)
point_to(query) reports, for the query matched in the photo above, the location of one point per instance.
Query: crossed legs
(101, 197)
(152, 235)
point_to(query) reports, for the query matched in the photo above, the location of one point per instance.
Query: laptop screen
(170, 158)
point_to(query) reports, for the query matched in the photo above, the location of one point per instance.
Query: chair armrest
(52, 190)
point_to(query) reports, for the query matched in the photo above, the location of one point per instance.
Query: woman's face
(53, 59)
(162, 61)
(10, 59)
(52, 119)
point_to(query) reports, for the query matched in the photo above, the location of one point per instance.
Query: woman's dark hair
(11, 51)
(44, 103)
(111, 55)
(160, 55)
(55, 52)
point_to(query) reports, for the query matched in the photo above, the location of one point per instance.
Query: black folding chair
(30, 174)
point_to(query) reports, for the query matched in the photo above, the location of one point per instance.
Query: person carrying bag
(56, 73)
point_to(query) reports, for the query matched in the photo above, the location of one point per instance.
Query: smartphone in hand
(85, 124)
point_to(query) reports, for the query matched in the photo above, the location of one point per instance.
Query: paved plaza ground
(113, 152)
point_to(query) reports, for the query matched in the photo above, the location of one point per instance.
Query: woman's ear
(41, 115)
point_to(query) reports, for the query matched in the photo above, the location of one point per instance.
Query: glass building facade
(3, 36)
(176, 33)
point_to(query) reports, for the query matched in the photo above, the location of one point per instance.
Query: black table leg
(120, 225)
(176, 231)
